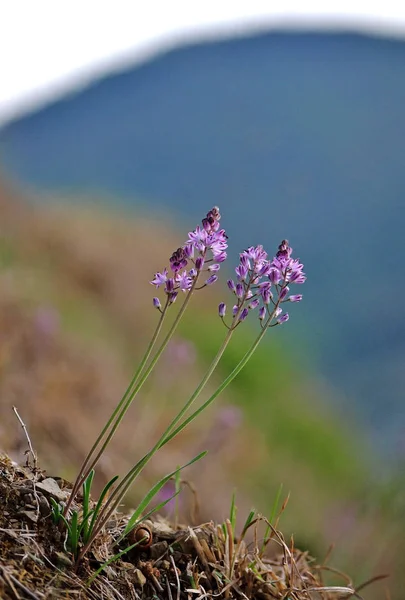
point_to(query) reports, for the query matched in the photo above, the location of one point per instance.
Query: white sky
(50, 46)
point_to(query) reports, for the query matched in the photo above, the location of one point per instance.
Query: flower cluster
(264, 284)
(204, 250)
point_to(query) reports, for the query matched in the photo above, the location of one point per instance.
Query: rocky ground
(171, 562)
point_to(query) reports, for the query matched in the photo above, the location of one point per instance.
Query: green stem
(225, 383)
(86, 467)
(120, 491)
(129, 395)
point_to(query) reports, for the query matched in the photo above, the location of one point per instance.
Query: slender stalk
(86, 467)
(224, 384)
(138, 379)
(120, 491)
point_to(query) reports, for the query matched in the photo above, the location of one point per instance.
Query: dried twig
(13, 580)
(31, 449)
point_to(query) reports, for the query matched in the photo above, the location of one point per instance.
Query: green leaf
(86, 503)
(272, 515)
(153, 491)
(232, 513)
(248, 521)
(99, 504)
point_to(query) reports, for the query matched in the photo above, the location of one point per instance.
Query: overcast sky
(50, 46)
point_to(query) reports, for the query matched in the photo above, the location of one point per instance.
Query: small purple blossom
(243, 314)
(211, 280)
(266, 281)
(199, 263)
(214, 268)
(295, 298)
(156, 303)
(208, 243)
(239, 290)
(169, 288)
(285, 268)
(184, 281)
(222, 309)
(178, 260)
(241, 272)
(275, 275)
(160, 278)
(220, 256)
(283, 319)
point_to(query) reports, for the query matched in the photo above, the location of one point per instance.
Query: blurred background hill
(291, 134)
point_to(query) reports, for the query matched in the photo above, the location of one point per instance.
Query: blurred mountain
(292, 135)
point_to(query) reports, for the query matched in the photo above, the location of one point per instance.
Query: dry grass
(206, 561)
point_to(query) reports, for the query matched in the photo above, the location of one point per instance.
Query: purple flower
(222, 309)
(241, 272)
(285, 268)
(235, 309)
(220, 256)
(275, 275)
(211, 280)
(214, 268)
(178, 260)
(169, 288)
(184, 280)
(208, 242)
(156, 303)
(199, 263)
(266, 281)
(239, 290)
(211, 222)
(197, 239)
(243, 314)
(264, 289)
(160, 278)
(295, 298)
(188, 251)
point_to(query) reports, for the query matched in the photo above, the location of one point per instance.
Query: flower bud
(156, 303)
(222, 309)
(243, 314)
(199, 263)
(211, 280)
